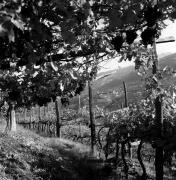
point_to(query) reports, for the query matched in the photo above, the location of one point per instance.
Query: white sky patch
(170, 30)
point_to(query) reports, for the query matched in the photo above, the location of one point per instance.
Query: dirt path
(27, 156)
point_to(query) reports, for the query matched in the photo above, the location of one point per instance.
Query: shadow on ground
(27, 156)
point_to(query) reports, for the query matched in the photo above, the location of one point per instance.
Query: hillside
(25, 155)
(110, 83)
(169, 60)
(128, 74)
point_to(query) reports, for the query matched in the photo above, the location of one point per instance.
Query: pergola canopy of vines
(51, 47)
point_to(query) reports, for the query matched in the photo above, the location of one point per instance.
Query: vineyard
(51, 53)
(125, 138)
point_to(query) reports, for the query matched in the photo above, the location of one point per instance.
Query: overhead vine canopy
(34, 29)
(61, 42)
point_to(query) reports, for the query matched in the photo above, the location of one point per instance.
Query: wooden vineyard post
(126, 105)
(159, 159)
(39, 113)
(12, 118)
(159, 152)
(125, 92)
(92, 123)
(79, 105)
(58, 118)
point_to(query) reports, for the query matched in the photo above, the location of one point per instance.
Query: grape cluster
(131, 35)
(148, 36)
(151, 15)
(65, 101)
(14, 95)
(117, 42)
(80, 88)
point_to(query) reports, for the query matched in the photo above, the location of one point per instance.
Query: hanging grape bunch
(131, 35)
(148, 36)
(117, 42)
(65, 101)
(14, 95)
(80, 87)
(152, 15)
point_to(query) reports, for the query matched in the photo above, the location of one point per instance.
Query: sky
(162, 49)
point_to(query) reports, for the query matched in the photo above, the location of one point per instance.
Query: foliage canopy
(51, 48)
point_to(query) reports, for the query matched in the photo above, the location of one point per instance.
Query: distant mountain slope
(128, 74)
(169, 60)
(110, 81)
(115, 79)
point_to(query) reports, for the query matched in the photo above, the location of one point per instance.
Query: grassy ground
(27, 156)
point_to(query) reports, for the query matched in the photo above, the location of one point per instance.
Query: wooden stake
(58, 119)
(125, 92)
(159, 158)
(92, 123)
(12, 119)
(79, 105)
